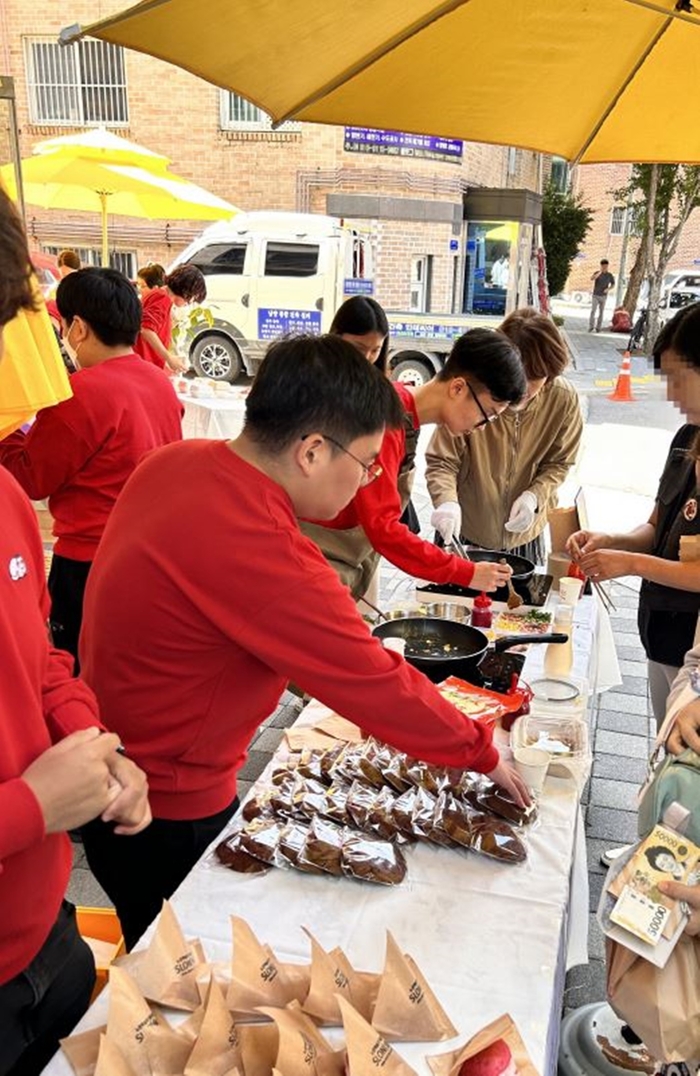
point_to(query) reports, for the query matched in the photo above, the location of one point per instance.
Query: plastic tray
(572, 731)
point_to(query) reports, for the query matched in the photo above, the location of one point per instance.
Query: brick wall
(595, 184)
(177, 114)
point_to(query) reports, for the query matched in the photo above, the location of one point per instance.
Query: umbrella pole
(105, 240)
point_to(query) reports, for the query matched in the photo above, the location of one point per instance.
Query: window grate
(238, 114)
(78, 85)
(123, 260)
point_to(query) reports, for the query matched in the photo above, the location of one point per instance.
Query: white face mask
(71, 351)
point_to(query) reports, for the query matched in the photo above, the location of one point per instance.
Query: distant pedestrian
(68, 262)
(149, 278)
(603, 282)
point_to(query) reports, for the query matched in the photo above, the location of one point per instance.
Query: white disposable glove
(447, 520)
(522, 514)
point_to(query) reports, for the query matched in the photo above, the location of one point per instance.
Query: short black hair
(359, 315)
(682, 335)
(487, 358)
(187, 281)
(106, 300)
(153, 275)
(604, 261)
(309, 384)
(16, 291)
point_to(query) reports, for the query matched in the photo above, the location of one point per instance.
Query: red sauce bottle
(482, 612)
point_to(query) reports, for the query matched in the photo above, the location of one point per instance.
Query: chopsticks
(606, 600)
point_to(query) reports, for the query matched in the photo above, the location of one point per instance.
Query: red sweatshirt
(377, 509)
(192, 656)
(80, 453)
(40, 703)
(156, 314)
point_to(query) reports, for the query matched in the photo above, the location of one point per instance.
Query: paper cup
(393, 642)
(570, 589)
(532, 764)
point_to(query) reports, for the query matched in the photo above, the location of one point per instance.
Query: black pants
(139, 873)
(44, 1002)
(67, 580)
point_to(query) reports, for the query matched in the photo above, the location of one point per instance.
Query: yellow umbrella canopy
(58, 180)
(600, 80)
(104, 147)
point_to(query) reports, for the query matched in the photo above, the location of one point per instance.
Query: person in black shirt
(603, 282)
(665, 551)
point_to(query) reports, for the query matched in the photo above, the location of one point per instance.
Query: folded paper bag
(407, 1010)
(257, 977)
(515, 1058)
(218, 1045)
(302, 1049)
(166, 972)
(111, 1061)
(333, 974)
(368, 1051)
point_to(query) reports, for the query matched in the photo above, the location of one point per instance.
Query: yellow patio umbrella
(63, 179)
(104, 147)
(600, 80)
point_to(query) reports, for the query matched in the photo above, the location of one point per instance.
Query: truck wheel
(412, 368)
(217, 357)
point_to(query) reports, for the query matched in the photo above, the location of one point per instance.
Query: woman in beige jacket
(496, 490)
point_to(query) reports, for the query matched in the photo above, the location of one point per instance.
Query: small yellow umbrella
(60, 181)
(104, 147)
(598, 80)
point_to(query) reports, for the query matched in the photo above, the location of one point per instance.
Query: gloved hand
(447, 520)
(522, 513)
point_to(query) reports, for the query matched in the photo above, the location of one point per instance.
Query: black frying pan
(523, 568)
(442, 648)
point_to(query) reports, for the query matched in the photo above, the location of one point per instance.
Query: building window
(617, 220)
(123, 260)
(76, 85)
(559, 175)
(512, 160)
(237, 114)
(421, 282)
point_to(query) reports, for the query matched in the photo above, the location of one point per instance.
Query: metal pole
(105, 239)
(7, 93)
(620, 292)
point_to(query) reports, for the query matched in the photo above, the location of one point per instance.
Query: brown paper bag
(82, 1050)
(257, 977)
(166, 972)
(259, 1043)
(302, 1049)
(563, 522)
(218, 1046)
(503, 1036)
(111, 1061)
(661, 1004)
(367, 1050)
(407, 1009)
(167, 1051)
(130, 1020)
(299, 976)
(332, 974)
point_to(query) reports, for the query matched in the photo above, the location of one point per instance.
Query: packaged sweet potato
(322, 847)
(496, 838)
(453, 818)
(292, 839)
(310, 765)
(381, 815)
(233, 855)
(403, 812)
(396, 772)
(261, 838)
(495, 800)
(257, 805)
(328, 760)
(423, 775)
(335, 804)
(286, 797)
(369, 761)
(423, 811)
(359, 803)
(372, 860)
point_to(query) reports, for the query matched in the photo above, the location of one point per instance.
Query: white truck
(271, 273)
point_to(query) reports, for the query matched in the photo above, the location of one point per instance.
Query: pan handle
(517, 640)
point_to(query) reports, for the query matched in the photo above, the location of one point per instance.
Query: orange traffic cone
(622, 392)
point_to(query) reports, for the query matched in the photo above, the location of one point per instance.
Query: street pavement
(625, 445)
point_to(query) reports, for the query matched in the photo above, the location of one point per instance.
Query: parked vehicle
(274, 273)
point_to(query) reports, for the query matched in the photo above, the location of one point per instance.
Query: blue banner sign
(280, 321)
(355, 286)
(422, 331)
(401, 144)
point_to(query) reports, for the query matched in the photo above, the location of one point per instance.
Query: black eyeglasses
(487, 418)
(371, 471)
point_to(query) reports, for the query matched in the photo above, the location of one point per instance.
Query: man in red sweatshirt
(192, 656)
(56, 770)
(80, 453)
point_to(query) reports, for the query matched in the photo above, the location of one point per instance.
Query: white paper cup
(393, 642)
(532, 764)
(570, 589)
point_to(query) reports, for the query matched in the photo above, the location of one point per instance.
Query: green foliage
(184, 327)
(677, 194)
(565, 224)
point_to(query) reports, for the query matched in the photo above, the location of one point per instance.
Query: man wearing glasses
(483, 375)
(204, 599)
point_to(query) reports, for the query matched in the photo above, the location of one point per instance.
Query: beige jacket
(531, 450)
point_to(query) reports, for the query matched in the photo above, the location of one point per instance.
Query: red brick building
(414, 205)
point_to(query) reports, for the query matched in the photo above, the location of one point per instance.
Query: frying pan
(523, 568)
(467, 645)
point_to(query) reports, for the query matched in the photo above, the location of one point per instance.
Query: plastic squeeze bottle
(482, 611)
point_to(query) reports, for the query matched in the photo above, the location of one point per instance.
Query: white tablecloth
(214, 417)
(490, 938)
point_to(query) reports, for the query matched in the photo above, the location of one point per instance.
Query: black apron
(350, 551)
(667, 617)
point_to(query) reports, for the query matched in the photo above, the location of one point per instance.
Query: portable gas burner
(534, 592)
